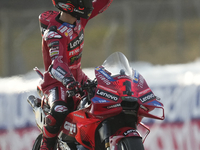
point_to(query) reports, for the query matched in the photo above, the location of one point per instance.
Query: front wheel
(37, 143)
(130, 143)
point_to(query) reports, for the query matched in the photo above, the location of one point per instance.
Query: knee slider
(59, 112)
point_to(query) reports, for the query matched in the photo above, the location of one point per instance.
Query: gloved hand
(73, 88)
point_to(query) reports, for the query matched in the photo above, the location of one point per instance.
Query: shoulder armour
(44, 19)
(51, 33)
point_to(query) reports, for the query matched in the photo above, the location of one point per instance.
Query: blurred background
(161, 37)
(156, 31)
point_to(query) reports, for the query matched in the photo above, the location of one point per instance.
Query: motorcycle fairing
(125, 85)
(82, 127)
(146, 98)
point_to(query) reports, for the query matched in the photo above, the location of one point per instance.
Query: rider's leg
(55, 118)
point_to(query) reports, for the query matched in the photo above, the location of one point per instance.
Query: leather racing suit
(62, 46)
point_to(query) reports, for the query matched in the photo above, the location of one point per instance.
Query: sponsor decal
(61, 70)
(53, 95)
(130, 131)
(107, 95)
(76, 42)
(106, 75)
(74, 58)
(101, 77)
(99, 100)
(62, 93)
(71, 53)
(70, 127)
(60, 108)
(123, 76)
(114, 106)
(70, 31)
(97, 68)
(78, 11)
(136, 77)
(144, 92)
(54, 49)
(62, 28)
(54, 53)
(66, 34)
(77, 115)
(141, 81)
(100, 70)
(107, 89)
(147, 97)
(54, 43)
(57, 75)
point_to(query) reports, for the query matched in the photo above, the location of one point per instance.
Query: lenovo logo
(147, 97)
(76, 42)
(107, 95)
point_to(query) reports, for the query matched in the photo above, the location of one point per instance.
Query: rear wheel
(37, 143)
(130, 143)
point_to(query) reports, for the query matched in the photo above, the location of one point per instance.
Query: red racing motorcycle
(108, 116)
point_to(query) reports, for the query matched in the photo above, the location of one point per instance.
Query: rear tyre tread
(131, 143)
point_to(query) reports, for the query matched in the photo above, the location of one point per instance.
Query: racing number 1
(128, 91)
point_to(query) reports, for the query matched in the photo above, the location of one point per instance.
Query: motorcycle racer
(62, 45)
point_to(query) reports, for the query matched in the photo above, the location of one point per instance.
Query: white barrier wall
(178, 86)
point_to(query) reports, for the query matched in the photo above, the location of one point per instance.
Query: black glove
(73, 88)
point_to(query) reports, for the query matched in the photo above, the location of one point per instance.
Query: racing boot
(49, 137)
(48, 143)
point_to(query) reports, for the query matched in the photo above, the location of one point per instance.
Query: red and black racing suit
(62, 45)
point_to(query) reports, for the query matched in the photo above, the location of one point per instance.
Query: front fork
(105, 133)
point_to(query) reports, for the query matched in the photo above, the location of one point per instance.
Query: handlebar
(87, 86)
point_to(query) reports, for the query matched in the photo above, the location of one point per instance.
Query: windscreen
(117, 64)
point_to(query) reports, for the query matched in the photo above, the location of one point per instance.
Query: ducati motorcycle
(108, 116)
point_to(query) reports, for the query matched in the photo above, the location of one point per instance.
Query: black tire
(130, 143)
(37, 143)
